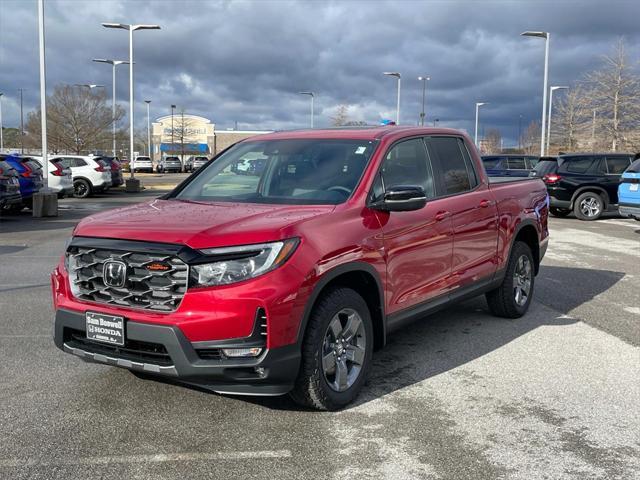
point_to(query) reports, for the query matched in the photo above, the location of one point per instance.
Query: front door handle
(442, 215)
(485, 203)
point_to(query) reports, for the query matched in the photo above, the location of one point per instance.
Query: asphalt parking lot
(459, 395)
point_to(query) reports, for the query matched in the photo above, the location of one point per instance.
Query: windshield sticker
(360, 150)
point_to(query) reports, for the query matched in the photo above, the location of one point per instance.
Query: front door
(418, 244)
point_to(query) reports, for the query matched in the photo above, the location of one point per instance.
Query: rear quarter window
(545, 166)
(634, 167)
(576, 164)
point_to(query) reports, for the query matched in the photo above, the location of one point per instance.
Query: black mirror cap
(402, 198)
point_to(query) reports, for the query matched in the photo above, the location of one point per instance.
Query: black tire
(13, 209)
(503, 301)
(81, 188)
(588, 206)
(312, 389)
(559, 212)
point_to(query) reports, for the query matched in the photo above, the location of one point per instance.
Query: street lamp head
(88, 85)
(110, 62)
(173, 106)
(147, 102)
(535, 34)
(479, 104)
(116, 25)
(145, 27)
(306, 93)
(425, 78)
(392, 74)
(554, 88)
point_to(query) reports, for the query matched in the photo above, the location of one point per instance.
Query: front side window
(457, 171)
(617, 165)
(406, 163)
(290, 171)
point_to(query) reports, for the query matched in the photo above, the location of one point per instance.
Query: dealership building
(185, 134)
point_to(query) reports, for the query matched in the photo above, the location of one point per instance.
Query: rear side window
(517, 163)
(491, 162)
(407, 164)
(577, 164)
(617, 165)
(456, 169)
(532, 162)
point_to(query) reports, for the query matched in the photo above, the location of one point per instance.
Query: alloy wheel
(343, 350)
(522, 277)
(590, 207)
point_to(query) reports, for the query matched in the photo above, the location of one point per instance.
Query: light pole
(478, 105)
(424, 80)
(552, 89)
(114, 64)
(398, 76)
(593, 131)
(45, 202)
(1, 137)
(148, 102)
(519, 132)
(312, 97)
(173, 107)
(21, 122)
(133, 186)
(546, 37)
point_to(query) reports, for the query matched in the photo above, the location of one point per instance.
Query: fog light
(242, 352)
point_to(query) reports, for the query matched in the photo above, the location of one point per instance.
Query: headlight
(241, 263)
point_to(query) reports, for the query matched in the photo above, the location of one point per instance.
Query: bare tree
(614, 91)
(184, 134)
(341, 116)
(572, 120)
(79, 121)
(492, 141)
(531, 138)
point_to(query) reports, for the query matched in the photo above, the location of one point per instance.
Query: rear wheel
(588, 206)
(559, 212)
(81, 188)
(336, 352)
(513, 297)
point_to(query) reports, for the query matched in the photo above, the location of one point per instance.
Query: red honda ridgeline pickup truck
(284, 262)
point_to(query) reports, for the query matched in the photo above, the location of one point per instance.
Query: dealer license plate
(105, 328)
(634, 187)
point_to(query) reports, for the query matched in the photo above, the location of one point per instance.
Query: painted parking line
(156, 458)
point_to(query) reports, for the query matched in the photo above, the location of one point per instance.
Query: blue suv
(629, 191)
(30, 177)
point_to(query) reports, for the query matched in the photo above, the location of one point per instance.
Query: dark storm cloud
(244, 61)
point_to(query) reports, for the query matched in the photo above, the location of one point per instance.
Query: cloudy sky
(244, 61)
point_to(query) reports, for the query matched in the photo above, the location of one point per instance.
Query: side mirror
(402, 198)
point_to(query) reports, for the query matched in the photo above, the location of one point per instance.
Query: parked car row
(586, 184)
(28, 173)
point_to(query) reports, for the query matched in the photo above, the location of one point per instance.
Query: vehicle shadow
(463, 333)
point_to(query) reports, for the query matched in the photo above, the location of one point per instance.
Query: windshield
(545, 166)
(298, 172)
(634, 167)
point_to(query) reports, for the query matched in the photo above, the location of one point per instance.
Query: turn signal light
(242, 352)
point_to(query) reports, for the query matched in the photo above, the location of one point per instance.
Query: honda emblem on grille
(114, 273)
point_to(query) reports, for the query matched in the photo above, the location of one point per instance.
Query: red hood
(198, 225)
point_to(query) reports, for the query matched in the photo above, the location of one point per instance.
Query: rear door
(473, 211)
(418, 244)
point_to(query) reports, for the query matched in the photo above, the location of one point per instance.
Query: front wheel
(588, 206)
(513, 297)
(336, 352)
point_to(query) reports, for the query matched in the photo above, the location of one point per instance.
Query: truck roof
(356, 133)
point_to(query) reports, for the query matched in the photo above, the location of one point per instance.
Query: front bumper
(629, 210)
(192, 363)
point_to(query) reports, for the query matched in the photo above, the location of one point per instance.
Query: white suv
(60, 177)
(143, 164)
(90, 174)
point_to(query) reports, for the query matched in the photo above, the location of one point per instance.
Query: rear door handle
(442, 215)
(485, 203)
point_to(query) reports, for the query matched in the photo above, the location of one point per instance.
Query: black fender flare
(328, 277)
(524, 223)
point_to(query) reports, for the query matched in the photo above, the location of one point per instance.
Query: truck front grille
(154, 282)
